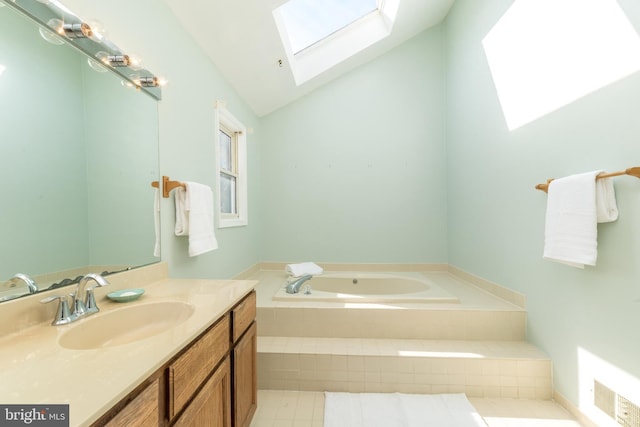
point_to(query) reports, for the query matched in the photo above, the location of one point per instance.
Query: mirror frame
(42, 11)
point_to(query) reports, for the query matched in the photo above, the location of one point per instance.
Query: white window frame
(224, 119)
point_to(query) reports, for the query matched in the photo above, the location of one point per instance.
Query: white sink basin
(125, 325)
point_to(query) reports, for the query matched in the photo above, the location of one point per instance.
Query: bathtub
(363, 287)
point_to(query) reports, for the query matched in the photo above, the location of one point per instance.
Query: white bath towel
(194, 217)
(303, 268)
(571, 220)
(156, 221)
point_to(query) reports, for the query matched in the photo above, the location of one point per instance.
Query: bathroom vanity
(199, 371)
(210, 382)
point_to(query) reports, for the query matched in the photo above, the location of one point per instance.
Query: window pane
(228, 194)
(225, 151)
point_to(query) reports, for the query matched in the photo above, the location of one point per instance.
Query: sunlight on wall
(544, 54)
(592, 367)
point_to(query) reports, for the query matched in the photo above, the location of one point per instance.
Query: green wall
(355, 171)
(186, 125)
(496, 218)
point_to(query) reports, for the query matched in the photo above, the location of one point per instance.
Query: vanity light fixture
(120, 60)
(114, 60)
(152, 81)
(77, 31)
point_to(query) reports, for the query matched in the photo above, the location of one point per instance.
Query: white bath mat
(399, 410)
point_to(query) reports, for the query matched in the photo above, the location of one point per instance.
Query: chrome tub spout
(294, 287)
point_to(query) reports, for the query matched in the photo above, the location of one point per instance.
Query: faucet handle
(89, 299)
(63, 315)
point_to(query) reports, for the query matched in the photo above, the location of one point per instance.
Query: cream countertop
(37, 370)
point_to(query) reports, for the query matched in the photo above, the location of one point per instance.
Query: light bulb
(52, 36)
(56, 25)
(96, 65)
(135, 63)
(98, 31)
(103, 57)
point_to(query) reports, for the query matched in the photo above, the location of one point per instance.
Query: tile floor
(280, 408)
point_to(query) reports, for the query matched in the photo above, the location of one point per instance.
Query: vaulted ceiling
(242, 40)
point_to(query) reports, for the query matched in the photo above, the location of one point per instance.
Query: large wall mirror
(78, 152)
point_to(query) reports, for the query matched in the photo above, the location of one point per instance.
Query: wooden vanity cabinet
(244, 354)
(212, 382)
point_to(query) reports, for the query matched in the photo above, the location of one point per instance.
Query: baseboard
(573, 410)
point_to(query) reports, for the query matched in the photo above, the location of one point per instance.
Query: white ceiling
(242, 40)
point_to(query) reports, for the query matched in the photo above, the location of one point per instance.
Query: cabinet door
(245, 390)
(212, 405)
(190, 370)
(142, 411)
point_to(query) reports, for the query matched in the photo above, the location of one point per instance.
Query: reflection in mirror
(78, 152)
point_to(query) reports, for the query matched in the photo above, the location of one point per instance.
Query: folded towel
(570, 224)
(194, 217)
(606, 205)
(303, 268)
(156, 221)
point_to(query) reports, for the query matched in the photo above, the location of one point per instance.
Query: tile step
(505, 369)
(427, 324)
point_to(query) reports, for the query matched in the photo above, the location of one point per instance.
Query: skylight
(309, 21)
(318, 35)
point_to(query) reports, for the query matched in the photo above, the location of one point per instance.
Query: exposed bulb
(96, 65)
(56, 25)
(98, 31)
(135, 63)
(103, 57)
(50, 36)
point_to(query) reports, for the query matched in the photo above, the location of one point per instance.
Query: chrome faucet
(81, 307)
(31, 284)
(88, 305)
(294, 287)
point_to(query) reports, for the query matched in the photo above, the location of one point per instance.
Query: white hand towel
(571, 220)
(194, 217)
(303, 268)
(606, 205)
(156, 221)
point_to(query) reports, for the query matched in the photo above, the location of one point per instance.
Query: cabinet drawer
(188, 372)
(243, 314)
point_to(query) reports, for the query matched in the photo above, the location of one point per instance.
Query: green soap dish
(126, 295)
